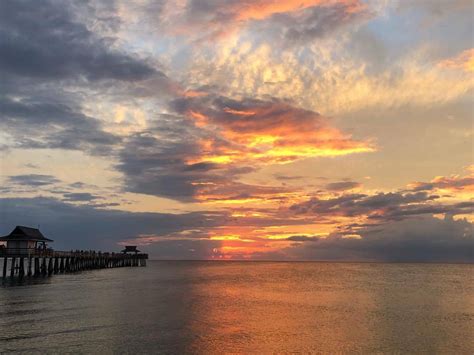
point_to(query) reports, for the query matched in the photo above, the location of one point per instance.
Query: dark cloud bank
(85, 227)
(419, 239)
(43, 39)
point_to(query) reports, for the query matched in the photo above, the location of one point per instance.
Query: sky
(337, 130)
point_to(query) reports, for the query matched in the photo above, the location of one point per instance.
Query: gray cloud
(55, 55)
(378, 206)
(169, 159)
(302, 238)
(78, 185)
(80, 196)
(423, 239)
(184, 236)
(31, 166)
(86, 227)
(342, 185)
(46, 124)
(33, 180)
(287, 177)
(208, 20)
(42, 39)
(157, 162)
(315, 22)
(158, 167)
(452, 183)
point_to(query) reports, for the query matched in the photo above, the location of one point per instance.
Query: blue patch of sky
(402, 30)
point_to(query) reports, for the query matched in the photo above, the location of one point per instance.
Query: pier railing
(39, 252)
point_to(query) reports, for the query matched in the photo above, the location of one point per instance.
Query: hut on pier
(24, 240)
(130, 249)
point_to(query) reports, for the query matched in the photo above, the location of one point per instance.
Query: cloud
(331, 77)
(380, 206)
(159, 167)
(298, 19)
(79, 196)
(199, 152)
(31, 166)
(464, 61)
(302, 238)
(58, 62)
(424, 239)
(44, 40)
(37, 123)
(33, 180)
(342, 185)
(85, 227)
(306, 25)
(449, 183)
(199, 235)
(271, 131)
(283, 177)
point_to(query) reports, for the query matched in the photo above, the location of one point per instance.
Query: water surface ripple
(244, 307)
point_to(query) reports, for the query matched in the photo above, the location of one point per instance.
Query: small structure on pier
(130, 249)
(24, 240)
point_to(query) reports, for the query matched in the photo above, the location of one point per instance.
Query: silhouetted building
(24, 240)
(130, 249)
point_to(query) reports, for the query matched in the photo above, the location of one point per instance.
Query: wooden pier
(30, 263)
(26, 255)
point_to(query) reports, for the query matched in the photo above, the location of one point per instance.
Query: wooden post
(12, 268)
(43, 267)
(5, 264)
(61, 265)
(29, 266)
(56, 265)
(21, 271)
(50, 266)
(37, 266)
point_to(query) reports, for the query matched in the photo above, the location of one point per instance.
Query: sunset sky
(241, 129)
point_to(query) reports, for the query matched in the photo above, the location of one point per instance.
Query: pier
(26, 255)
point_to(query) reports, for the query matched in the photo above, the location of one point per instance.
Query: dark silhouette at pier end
(130, 249)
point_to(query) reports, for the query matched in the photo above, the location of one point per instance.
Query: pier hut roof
(130, 249)
(25, 233)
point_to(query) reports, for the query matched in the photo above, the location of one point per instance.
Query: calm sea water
(244, 307)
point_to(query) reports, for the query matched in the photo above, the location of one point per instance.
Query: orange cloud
(212, 20)
(266, 132)
(460, 186)
(464, 61)
(262, 9)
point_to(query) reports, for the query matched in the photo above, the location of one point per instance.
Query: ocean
(200, 307)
